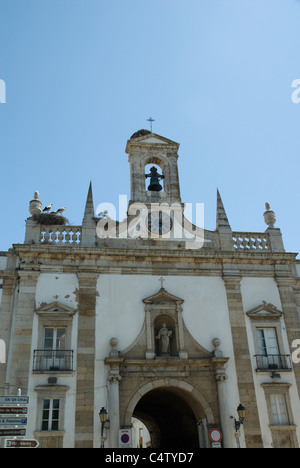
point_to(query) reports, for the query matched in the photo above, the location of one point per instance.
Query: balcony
(273, 362)
(47, 360)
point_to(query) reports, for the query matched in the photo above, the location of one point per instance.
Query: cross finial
(162, 282)
(150, 120)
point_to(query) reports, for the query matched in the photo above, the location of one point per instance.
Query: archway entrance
(169, 419)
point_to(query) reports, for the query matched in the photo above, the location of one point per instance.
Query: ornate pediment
(144, 137)
(55, 309)
(265, 311)
(161, 297)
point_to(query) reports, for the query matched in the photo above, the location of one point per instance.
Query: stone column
(242, 359)
(114, 409)
(114, 362)
(224, 399)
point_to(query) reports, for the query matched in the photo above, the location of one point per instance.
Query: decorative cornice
(162, 296)
(265, 311)
(55, 309)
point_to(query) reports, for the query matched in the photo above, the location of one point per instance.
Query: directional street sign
(13, 410)
(14, 400)
(25, 443)
(13, 421)
(12, 432)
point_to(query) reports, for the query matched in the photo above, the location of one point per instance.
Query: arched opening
(169, 418)
(150, 176)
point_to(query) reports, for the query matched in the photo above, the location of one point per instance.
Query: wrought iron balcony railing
(53, 360)
(273, 362)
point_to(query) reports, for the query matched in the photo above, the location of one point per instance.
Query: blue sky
(83, 75)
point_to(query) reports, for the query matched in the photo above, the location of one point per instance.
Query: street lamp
(103, 419)
(241, 410)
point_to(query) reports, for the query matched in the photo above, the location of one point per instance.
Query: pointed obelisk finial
(222, 220)
(89, 211)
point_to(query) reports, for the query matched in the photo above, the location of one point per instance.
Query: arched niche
(164, 308)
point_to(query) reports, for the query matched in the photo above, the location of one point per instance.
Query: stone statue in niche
(164, 336)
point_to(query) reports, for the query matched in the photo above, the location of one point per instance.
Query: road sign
(215, 435)
(13, 421)
(125, 438)
(216, 445)
(13, 410)
(14, 400)
(25, 443)
(12, 432)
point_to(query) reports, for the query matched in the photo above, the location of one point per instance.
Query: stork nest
(48, 219)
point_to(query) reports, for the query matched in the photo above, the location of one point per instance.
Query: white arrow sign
(18, 400)
(13, 421)
(25, 443)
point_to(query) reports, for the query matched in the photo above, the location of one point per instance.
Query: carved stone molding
(265, 312)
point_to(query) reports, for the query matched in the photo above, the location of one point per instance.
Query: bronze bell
(154, 185)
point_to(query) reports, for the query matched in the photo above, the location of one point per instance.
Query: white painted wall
(57, 287)
(254, 291)
(120, 314)
(50, 288)
(120, 310)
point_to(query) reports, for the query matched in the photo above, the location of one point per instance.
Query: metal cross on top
(162, 282)
(150, 120)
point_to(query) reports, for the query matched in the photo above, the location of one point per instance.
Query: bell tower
(159, 182)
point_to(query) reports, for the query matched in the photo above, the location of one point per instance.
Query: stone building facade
(154, 318)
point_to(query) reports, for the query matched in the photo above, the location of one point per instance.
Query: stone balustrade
(256, 241)
(60, 235)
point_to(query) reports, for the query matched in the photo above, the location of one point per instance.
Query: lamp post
(241, 410)
(103, 419)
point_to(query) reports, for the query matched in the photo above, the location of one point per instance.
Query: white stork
(60, 210)
(48, 208)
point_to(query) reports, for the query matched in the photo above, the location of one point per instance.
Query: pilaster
(6, 319)
(275, 238)
(285, 286)
(242, 359)
(224, 399)
(114, 379)
(22, 335)
(33, 232)
(84, 418)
